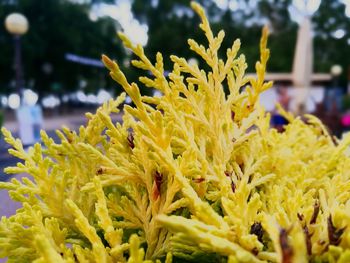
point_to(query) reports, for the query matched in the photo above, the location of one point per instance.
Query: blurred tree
(246, 23)
(58, 27)
(61, 26)
(171, 23)
(332, 37)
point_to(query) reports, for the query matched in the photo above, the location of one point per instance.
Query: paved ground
(73, 121)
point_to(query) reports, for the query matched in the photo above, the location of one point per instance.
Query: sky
(137, 32)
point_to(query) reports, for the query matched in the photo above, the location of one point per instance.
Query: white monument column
(303, 55)
(303, 64)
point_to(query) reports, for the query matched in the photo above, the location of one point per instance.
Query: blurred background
(51, 73)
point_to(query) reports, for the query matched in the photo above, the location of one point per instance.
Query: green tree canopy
(57, 27)
(329, 50)
(171, 24)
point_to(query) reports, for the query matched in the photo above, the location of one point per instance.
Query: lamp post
(17, 25)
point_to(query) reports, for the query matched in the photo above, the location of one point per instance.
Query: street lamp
(17, 25)
(336, 70)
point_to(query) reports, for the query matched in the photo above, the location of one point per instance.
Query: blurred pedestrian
(283, 98)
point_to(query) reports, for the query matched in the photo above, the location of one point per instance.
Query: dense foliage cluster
(195, 175)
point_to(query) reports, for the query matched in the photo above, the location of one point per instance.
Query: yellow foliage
(196, 174)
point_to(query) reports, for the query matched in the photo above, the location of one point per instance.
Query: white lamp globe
(336, 70)
(192, 62)
(16, 24)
